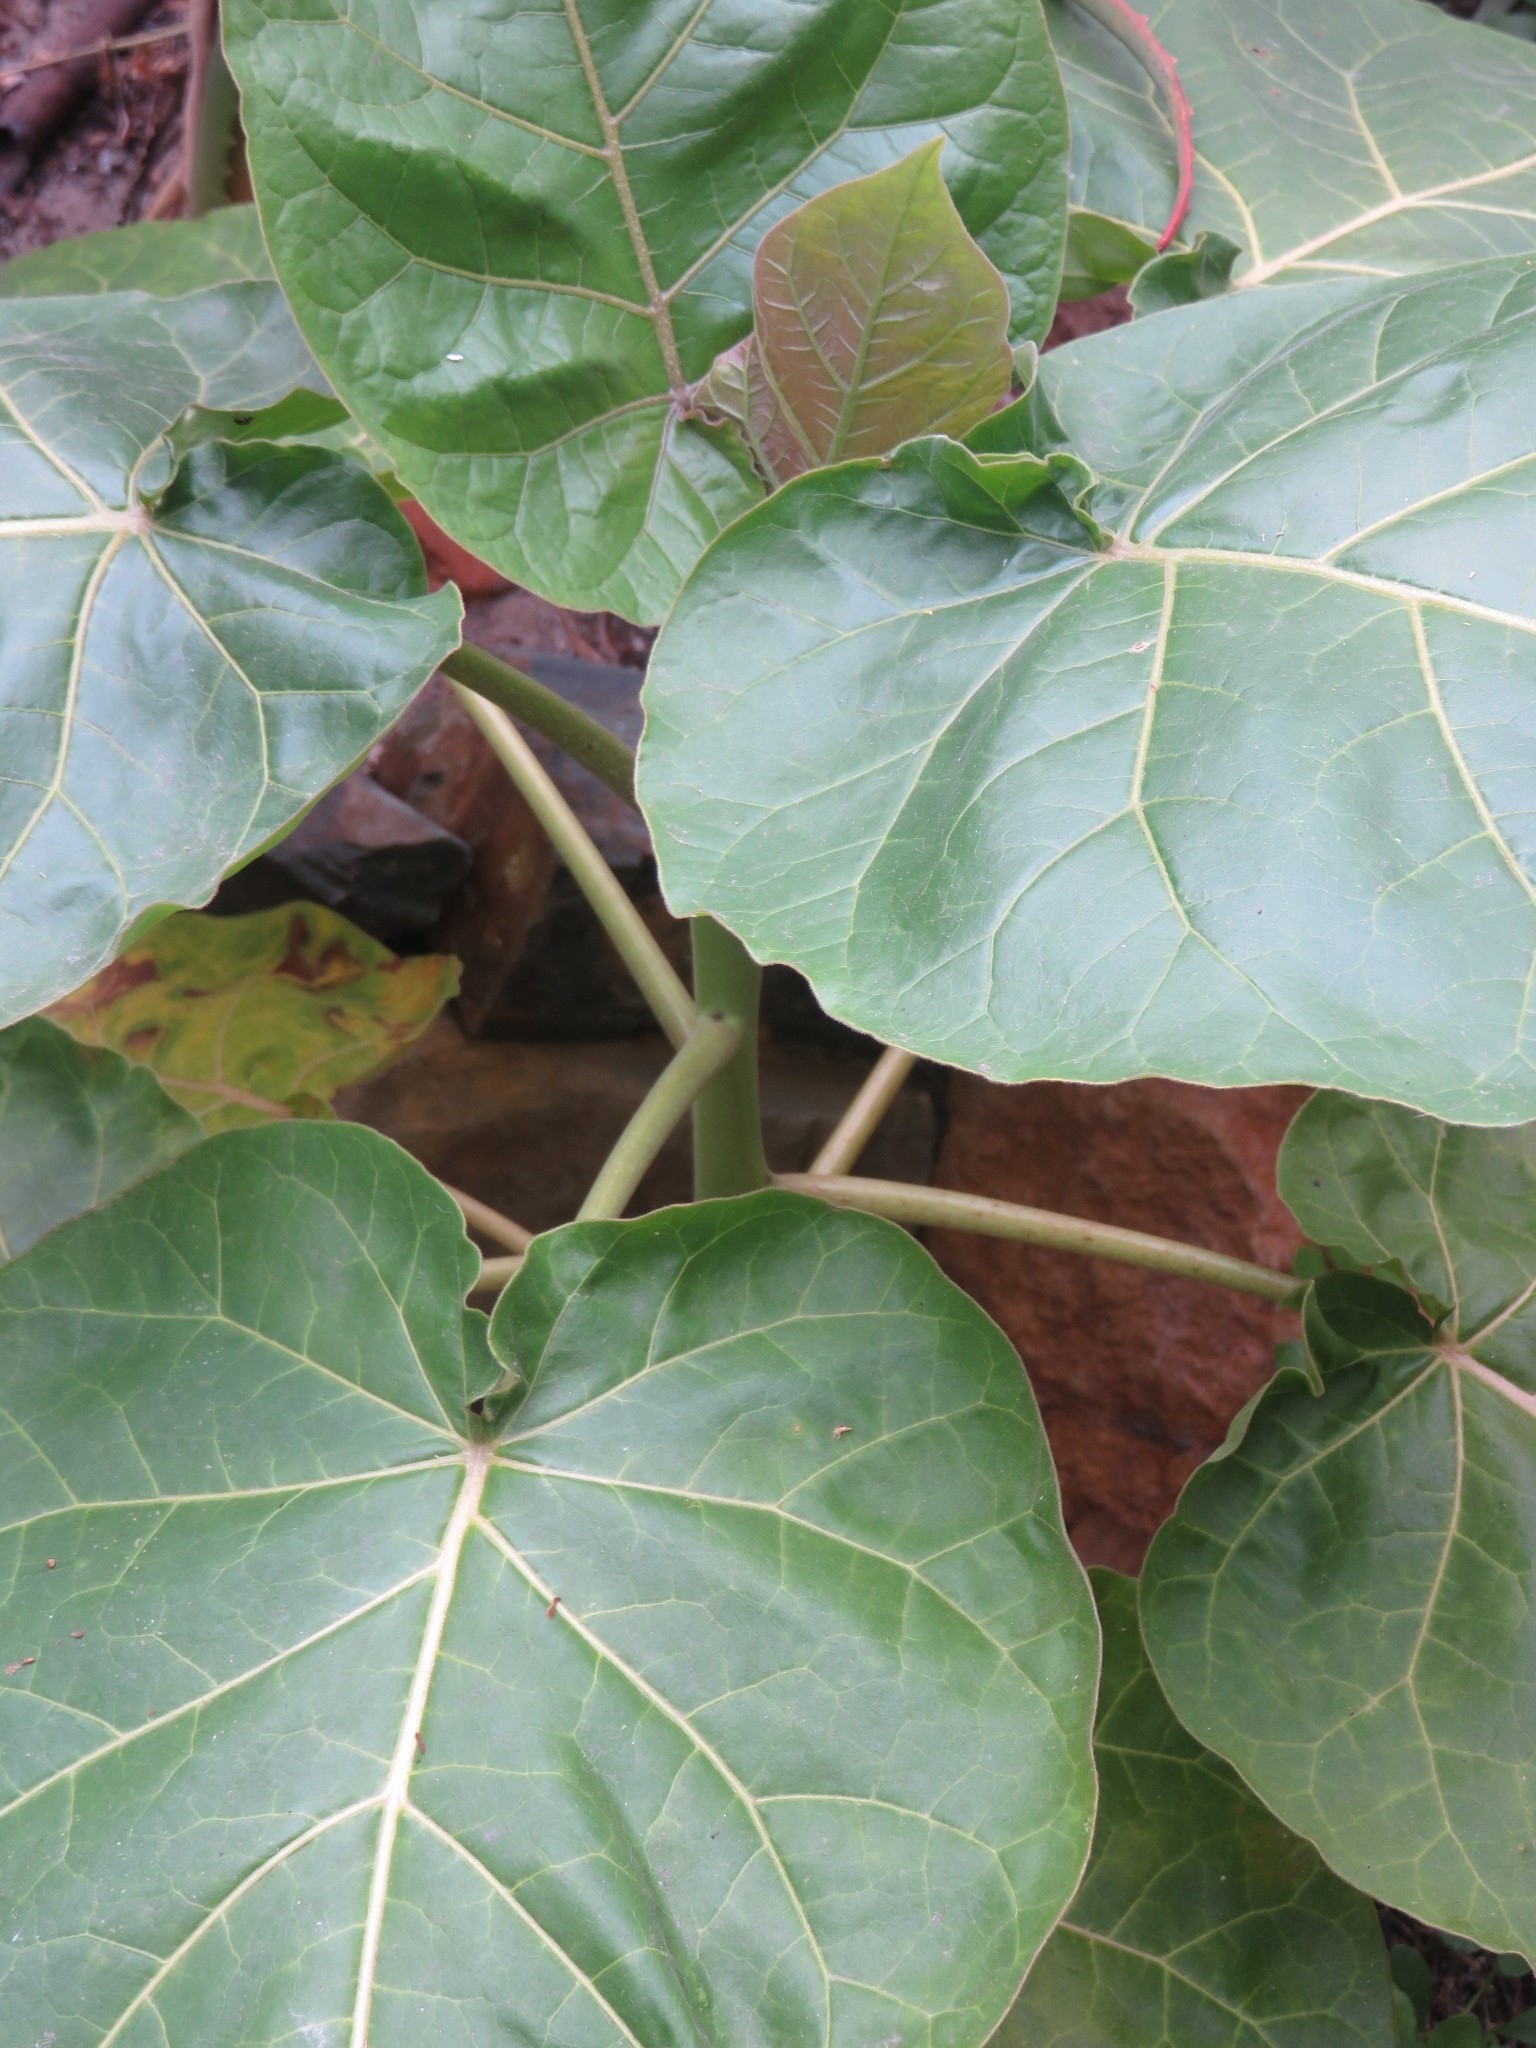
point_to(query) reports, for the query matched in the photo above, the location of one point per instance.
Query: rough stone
(1138, 1374)
(436, 761)
(364, 852)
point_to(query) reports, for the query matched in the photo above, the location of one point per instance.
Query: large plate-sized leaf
(172, 259)
(167, 259)
(1243, 796)
(1371, 136)
(1201, 1922)
(245, 1018)
(77, 1126)
(739, 1692)
(1342, 1606)
(185, 659)
(516, 238)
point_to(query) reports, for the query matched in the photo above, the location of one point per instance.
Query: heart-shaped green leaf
(875, 318)
(190, 653)
(735, 1685)
(1242, 794)
(168, 259)
(1341, 1606)
(246, 1018)
(1376, 137)
(77, 1126)
(517, 239)
(1453, 1210)
(1200, 1919)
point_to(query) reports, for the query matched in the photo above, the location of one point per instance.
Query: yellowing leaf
(877, 319)
(245, 1018)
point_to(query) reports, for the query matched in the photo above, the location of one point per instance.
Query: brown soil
(110, 161)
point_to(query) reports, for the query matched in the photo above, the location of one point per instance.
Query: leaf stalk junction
(713, 1073)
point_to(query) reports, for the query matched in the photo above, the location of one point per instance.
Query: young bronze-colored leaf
(1370, 136)
(77, 1126)
(1225, 771)
(1200, 1919)
(734, 1687)
(193, 649)
(239, 1016)
(876, 318)
(518, 236)
(1340, 1607)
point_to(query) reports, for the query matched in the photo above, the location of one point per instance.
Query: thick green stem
(950, 1211)
(548, 714)
(654, 973)
(713, 1043)
(727, 1129)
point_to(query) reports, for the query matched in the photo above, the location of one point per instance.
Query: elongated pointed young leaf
(1238, 790)
(875, 318)
(1343, 136)
(517, 239)
(1200, 1919)
(734, 1683)
(189, 653)
(77, 1126)
(246, 1018)
(1341, 1606)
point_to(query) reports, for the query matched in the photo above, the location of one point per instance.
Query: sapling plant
(662, 1629)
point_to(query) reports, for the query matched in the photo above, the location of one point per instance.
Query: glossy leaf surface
(246, 1018)
(190, 653)
(1201, 1922)
(1332, 136)
(77, 1126)
(1341, 1606)
(1452, 1209)
(739, 1691)
(1241, 795)
(875, 318)
(516, 240)
(167, 259)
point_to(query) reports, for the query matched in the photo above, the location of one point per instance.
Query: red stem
(1135, 32)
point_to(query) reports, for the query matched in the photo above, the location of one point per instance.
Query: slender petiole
(550, 715)
(654, 973)
(711, 1046)
(490, 1222)
(1135, 32)
(944, 1208)
(860, 1120)
(495, 1273)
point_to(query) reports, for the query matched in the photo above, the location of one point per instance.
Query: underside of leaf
(1376, 137)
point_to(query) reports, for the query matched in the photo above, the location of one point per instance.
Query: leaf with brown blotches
(245, 1018)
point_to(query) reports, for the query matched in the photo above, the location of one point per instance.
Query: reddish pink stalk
(1135, 32)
